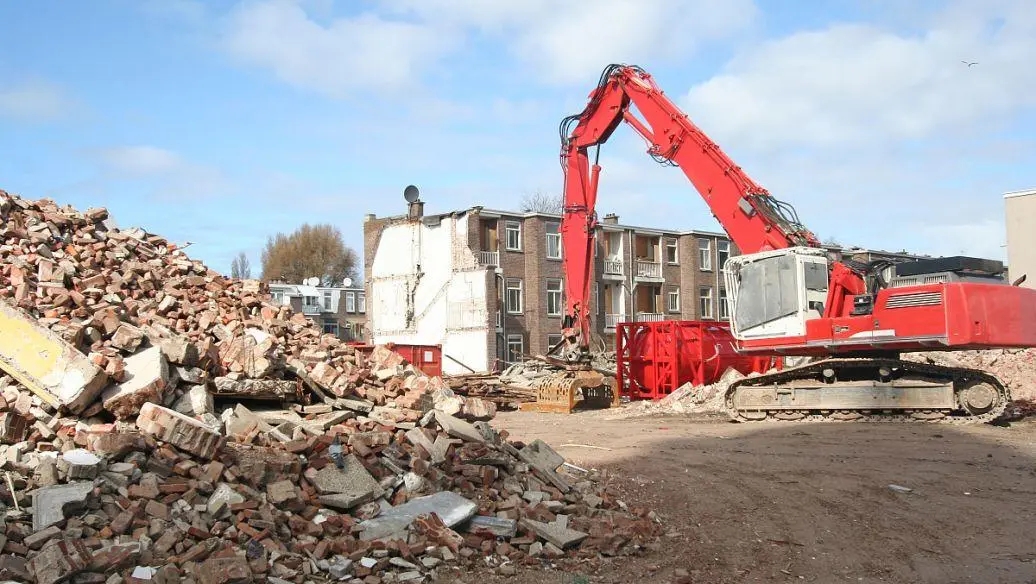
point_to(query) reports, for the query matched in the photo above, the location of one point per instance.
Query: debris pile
(687, 399)
(267, 496)
(156, 324)
(1016, 369)
(531, 373)
(129, 453)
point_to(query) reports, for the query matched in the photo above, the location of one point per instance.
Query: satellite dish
(410, 193)
(312, 281)
(347, 282)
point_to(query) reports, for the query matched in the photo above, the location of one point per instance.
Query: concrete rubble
(230, 441)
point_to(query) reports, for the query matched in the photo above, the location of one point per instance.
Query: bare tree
(311, 250)
(241, 268)
(541, 202)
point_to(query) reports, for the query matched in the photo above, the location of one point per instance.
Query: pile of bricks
(128, 453)
(335, 497)
(156, 324)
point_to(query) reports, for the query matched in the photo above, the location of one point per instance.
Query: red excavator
(847, 321)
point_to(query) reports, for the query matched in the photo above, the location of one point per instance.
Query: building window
(671, 255)
(553, 340)
(514, 296)
(513, 233)
(673, 297)
(327, 300)
(515, 348)
(554, 298)
(277, 297)
(705, 308)
(309, 300)
(553, 241)
(331, 328)
(723, 251)
(350, 302)
(705, 254)
(361, 302)
(724, 305)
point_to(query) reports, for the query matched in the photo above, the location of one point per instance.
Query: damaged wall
(426, 287)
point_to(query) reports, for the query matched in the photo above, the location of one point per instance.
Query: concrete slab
(52, 504)
(449, 506)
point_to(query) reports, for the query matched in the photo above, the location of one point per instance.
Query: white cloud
(861, 83)
(570, 42)
(34, 100)
(361, 52)
(164, 172)
(141, 160)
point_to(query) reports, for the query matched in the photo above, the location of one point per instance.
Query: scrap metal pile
(129, 453)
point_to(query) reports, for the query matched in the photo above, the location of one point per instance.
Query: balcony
(649, 269)
(489, 258)
(612, 267)
(650, 317)
(611, 321)
(312, 309)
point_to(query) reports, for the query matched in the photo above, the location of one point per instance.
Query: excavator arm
(754, 220)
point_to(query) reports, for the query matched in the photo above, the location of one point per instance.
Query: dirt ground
(807, 502)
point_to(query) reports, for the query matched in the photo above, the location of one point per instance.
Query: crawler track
(868, 369)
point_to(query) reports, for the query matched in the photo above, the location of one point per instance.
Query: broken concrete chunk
(147, 375)
(82, 464)
(127, 338)
(179, 349)
(559, 535)
(54, 503)
(497, 526)
(185, 433)
(347, 487)
(449, 506)
(44, 363)
(223, 497)
(196, 401)
(543, 456)
(458, 428)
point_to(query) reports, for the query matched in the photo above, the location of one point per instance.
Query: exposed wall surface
(426, 287)
(1020, 215)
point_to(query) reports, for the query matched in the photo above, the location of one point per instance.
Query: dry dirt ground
(790, 502)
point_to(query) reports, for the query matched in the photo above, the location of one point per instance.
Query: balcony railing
(646, 269)
(312, 309)
(613, 267)
(489, 258)
(612, 320)
(649, 317)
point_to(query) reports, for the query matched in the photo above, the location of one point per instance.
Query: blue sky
(224, 122)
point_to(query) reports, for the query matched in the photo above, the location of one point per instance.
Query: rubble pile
(687, 399)
(530, 374)
(162, 423)
(1016, 368)
(156, 324)
(276, 497)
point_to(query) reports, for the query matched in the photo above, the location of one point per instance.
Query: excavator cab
(774, 293)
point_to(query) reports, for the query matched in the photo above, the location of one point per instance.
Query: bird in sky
(970, 63)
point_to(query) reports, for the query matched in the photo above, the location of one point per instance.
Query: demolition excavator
(846, 322)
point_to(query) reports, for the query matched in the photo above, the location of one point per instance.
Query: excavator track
(869, 390)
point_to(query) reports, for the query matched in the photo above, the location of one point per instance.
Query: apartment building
(489, 285)
(1020, 220)
(340, 311)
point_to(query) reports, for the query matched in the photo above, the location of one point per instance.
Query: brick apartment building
(488, 284)
(339, 311)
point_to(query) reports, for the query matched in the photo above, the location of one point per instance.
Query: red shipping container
(656, 358)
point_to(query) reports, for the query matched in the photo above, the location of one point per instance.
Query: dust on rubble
(229, 440)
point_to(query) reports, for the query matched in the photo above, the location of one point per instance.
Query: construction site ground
(807, 502)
